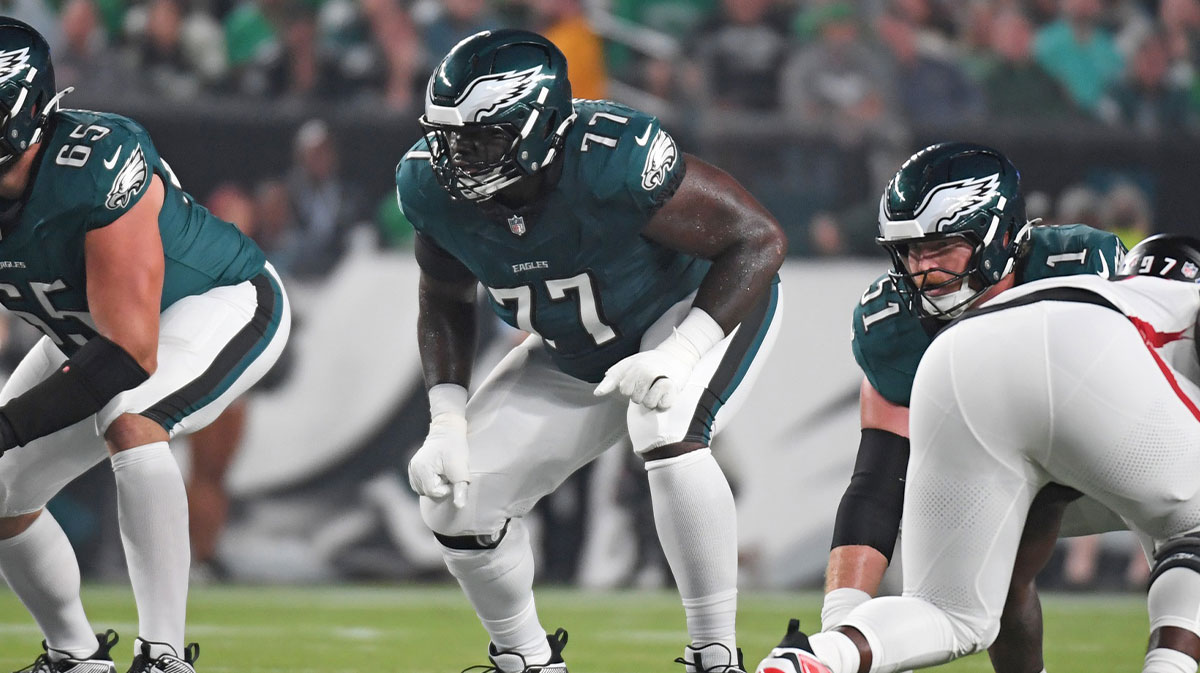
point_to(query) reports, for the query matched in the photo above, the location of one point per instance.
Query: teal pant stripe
(733, 366)
(230, 363)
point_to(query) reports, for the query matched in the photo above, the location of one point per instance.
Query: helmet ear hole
(552, 121)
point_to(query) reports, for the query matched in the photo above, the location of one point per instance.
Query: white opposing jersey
(1164, 311)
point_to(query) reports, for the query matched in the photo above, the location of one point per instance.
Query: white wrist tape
(694, 337)
(448, 399)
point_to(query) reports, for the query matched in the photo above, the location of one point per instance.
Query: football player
(155, 316)
(647, 279)
(1074, 383)
(953, 221)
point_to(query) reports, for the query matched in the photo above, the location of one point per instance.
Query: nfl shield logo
(1190, 270)
(516, 224)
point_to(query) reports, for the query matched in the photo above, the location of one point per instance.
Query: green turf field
(350, 629)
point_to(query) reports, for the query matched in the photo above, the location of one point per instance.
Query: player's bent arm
(124, 265)
(868, 516)
(876, 411)
(713, 217)
(446, 329)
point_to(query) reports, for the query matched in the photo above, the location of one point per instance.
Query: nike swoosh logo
(645, 136)
(109, 163)
(1104, 264)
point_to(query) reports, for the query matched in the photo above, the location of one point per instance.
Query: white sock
(152, 511)
(697, 526)
(1164, 660)
(835, 650)
(40, 567)
(499, 584)
(839, 603)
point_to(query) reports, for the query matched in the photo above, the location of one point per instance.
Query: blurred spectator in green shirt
(1080, 53)
(1017, 87)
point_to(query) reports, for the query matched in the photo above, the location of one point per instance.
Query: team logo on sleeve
(129, 181)
(12, 62)
(659, 161)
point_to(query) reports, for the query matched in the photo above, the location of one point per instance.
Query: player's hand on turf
(440, 467)
(651, 378)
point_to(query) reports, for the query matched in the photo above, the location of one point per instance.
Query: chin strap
(50, 108)
(952, 305)
(1025, 233)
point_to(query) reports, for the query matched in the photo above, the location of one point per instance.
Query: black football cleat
(99, 662)
(143, 662)
(711, 658)
(512, 662)
(793, 655)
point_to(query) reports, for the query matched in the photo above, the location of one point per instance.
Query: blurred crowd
(860, 66)
(856, 66)
(866, 76)
(375, 53)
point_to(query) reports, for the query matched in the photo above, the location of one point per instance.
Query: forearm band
(90, 379)
(869, 513)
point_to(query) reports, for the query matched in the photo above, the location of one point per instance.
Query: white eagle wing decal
(129, 180)
(950, 202)
(12, 62)
(488, 94)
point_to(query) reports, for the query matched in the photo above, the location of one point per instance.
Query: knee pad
(472, 542)
(1178, 552)
(473, 520)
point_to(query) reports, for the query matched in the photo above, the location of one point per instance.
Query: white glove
(654, 378)
(440, 467)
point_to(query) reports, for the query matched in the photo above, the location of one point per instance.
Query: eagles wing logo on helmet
(12, 62)
(489, 94)
(951, 201)
(659, 160)
(128, 181)
(945, 205)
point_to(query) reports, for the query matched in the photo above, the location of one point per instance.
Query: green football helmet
(497, 109)
(953, 190)
(27, 94)
(1173, 256)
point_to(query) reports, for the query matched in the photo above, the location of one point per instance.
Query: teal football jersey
(889, 339)
(93, 168)
(578, 272)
